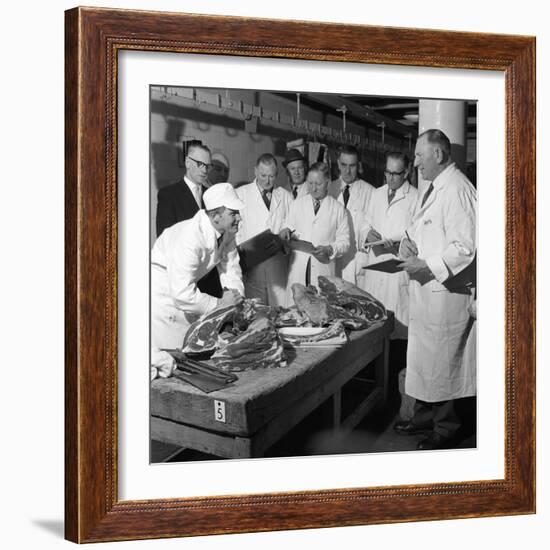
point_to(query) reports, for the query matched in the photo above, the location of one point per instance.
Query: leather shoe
(405, 427)
(434, 441)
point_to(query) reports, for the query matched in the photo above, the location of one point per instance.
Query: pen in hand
(413, 248)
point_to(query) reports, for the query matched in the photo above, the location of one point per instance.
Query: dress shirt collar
(314, 199)
(401, 192)
(343, 184)
(191, 184)
(261, 189)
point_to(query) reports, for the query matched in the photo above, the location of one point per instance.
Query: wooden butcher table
(246, 418)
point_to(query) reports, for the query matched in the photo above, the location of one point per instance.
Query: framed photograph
(146, 93)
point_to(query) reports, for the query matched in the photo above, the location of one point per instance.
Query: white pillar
(449, 116)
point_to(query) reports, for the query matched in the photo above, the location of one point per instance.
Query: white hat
(222, 194)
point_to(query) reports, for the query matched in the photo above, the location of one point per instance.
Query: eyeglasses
(394, 174)
(200, 164)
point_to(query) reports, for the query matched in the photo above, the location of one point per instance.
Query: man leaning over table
(183, 254)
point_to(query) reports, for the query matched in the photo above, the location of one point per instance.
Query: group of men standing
(195, 263)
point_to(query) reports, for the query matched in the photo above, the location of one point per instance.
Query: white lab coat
(181, 256)
(303, 190)
(359, 197)
(328, 227)
(441, 361)
(267, 281)
(391, 221)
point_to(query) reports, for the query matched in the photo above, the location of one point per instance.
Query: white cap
(222, 194)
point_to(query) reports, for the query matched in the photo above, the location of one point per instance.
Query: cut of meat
(202, 336)
(338, 300)
(351, 304)
(259, 346)
(309, 302)
(290, 317)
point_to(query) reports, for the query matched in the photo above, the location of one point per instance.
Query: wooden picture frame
(93, 510)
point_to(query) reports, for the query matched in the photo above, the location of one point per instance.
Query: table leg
(337, 409)
(381, 367)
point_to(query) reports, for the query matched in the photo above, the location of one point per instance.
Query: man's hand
(285, 234)
(407, 249)
(322, 253)
(373, 236)
(415, 266)
(230, 297)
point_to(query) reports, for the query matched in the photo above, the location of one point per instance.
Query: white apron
(328, 227)
(391, 221)
(441, 358)
(268, 280)
(360, 193)
(181, 256)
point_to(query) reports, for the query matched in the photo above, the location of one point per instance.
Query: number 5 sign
(219, 410)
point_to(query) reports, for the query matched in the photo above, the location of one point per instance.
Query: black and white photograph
(313, 264)
(256, 236)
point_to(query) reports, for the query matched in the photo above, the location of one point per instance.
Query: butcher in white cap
(183, 254)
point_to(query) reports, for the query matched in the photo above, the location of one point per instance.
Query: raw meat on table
(357, 304)
(260, 346)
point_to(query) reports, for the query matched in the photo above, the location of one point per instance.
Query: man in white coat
(389, 213)
(320, 220)
(265, 207)
(354, 194)
(295, 165)
(440, 260)
(183, 254)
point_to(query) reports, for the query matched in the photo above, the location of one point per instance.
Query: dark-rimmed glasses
(394, 174)
(200, 164)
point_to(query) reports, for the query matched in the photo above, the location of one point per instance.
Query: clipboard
(302, 246)
(258, 249)
(387, 266)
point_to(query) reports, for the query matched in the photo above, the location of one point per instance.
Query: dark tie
(427, 194)
(391, 195)
(219, 241)
(316, 205)
(266, 195)
(345, 194)
(295, 191)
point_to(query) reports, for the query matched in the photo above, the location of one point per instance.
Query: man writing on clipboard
(388, 215)
(439, 256)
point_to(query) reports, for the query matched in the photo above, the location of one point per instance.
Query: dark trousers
(440, 416)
